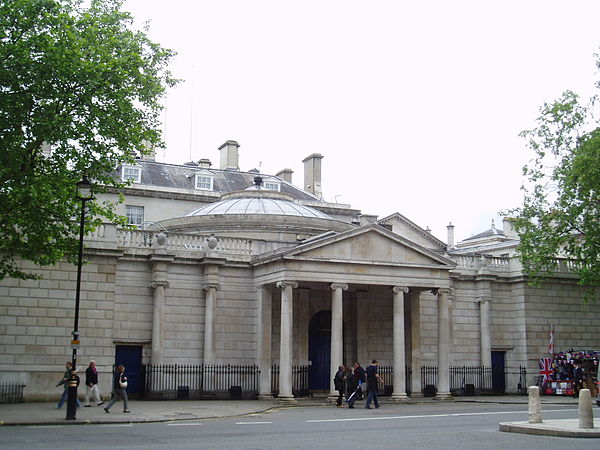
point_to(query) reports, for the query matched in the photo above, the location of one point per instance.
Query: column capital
(483, 299)
(342, 286)
(156, 284)
(439, 291)
(208, 286)
(397, 289)
(284, 284)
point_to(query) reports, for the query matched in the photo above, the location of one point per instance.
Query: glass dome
(258, 205)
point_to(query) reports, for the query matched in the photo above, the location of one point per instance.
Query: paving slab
(558, 428)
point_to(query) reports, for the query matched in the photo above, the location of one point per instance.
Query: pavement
(165, 411)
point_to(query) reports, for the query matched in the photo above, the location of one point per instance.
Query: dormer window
(204, 182)
(132, 173)
(272, 186)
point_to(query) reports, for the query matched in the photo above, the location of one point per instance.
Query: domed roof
(253, 203)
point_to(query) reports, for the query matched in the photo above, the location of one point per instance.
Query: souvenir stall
(566, 372)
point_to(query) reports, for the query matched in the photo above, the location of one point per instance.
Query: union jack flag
(546, 368)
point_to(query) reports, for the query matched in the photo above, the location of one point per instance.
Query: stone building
(234, 267)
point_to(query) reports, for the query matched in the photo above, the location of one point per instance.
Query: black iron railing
(464, 380)
(195, 382)
(11, 392)
(300, 387)
(387, 375)
(522, 386)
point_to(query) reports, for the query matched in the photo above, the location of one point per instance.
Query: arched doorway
(319, 350)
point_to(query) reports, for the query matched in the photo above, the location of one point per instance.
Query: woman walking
(119, 389)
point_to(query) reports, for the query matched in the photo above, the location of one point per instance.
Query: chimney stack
(312, 174)
(204, 163)
(229, 155)
(450, 236)
(149, 153)
(286, 175)
(508, 229)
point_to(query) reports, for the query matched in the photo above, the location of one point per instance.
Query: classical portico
(374, 307)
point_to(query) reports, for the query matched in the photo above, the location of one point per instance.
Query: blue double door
(319, 351)
(130, 356)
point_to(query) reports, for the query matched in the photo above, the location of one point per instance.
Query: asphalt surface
(463, 423)
(165, 411)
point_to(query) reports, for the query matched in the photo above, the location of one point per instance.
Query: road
(429, 426)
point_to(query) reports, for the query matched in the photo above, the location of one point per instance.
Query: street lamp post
(84, 195)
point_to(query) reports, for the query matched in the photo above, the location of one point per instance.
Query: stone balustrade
(176, 242)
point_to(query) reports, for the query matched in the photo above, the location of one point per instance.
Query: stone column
(285, 346)
(264, 341)
(158, 320)
(210, 308)
(443, 388)
(399, 393)
(337, 326)
(415, 339)
(484, 324)
(160, 264)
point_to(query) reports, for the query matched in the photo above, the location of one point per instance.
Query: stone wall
(559, 303)
(37, 318)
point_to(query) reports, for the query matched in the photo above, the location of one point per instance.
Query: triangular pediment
(370, 244)
(402, 226)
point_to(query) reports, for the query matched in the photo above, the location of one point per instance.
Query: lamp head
(84, 189)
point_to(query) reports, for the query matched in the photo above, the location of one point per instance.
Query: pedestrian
(578, 377)
(352, 389)
(65, 383)
(119, 389)
(360, 377)
(339, 383)
(91, 385)
(372, 379)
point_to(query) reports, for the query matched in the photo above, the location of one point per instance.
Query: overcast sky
(416, 106)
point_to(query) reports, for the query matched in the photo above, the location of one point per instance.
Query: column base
(265, 397)
(285, 400)
(399, 397)
(417, 395)
(332, 397)
(442, 396)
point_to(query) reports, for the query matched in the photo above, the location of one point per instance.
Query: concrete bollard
(535, 405)
(586, 415)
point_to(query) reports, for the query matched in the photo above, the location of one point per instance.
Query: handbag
(123, 384)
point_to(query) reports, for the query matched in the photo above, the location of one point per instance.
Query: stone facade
(252, 293)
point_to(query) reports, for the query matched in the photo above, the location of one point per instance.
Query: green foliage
(80, 93)
(560, 215)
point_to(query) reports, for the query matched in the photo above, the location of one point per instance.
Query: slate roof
(182, 177)
(488, 233)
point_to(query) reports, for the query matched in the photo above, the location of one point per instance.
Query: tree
(560, 214)
(80, 94)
